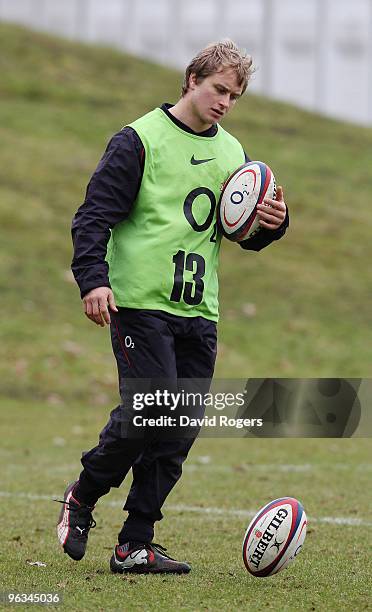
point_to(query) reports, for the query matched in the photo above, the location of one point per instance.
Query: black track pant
(152, 345)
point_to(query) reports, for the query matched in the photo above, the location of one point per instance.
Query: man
(150, 210)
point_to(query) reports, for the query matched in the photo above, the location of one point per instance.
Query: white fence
(314, 53)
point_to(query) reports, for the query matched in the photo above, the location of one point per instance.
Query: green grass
(333, 572)
(301, 308)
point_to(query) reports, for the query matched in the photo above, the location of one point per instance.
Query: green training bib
(165, 255)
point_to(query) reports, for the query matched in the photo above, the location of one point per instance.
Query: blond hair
(216, 56)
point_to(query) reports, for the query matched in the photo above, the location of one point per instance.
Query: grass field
(205, 519)
(301, 308)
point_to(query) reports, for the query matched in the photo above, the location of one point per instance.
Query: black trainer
(139, 558)
(73, 525)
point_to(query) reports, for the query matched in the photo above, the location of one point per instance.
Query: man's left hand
(272, 212)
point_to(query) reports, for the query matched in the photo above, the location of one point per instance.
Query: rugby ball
(274, 537)
(243, 190)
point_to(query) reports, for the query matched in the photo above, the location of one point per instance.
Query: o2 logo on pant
(305, 408)
(128, 342)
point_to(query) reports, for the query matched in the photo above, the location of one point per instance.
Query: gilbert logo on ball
(243, 191)
(274, 537)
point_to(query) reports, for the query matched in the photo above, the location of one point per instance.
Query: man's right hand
(96, 303)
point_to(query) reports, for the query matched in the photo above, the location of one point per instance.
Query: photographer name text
(183, 420)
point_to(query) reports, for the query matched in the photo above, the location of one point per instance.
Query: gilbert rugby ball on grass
(274, 537)
(243, 190)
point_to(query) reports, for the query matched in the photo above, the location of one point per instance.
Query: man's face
(212, 97)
